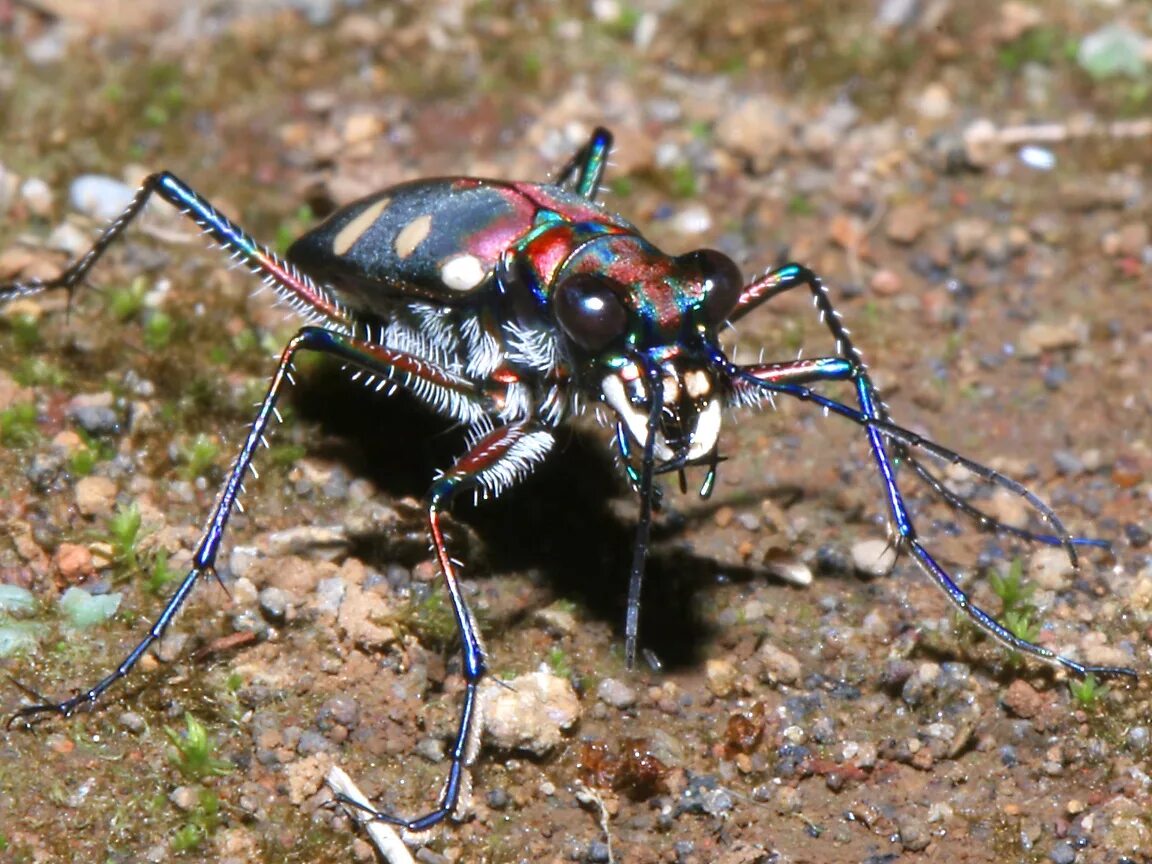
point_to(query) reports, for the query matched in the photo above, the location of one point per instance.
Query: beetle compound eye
(589, 310)
(722, 283)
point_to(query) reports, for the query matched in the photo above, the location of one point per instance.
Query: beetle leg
(498, 460)
(396, 367)
(312, 301)
(586, 167)
(793, 275)
(791, 379)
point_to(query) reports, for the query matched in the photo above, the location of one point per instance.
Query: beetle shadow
(560, 522)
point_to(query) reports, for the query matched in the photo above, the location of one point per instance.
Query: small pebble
(598, 852)
(528, 713)
(1137, 535)
(914, 833)
(431, 749)
(720, 675)
(615, 693)
(1022, 699)
(874, 557)
(94, 413)
(340, 710)
(1062, 853)
(778, 665)
(95, 496)
(1137, 739)
(133, 722)
(102, 198)
(906, 222)
(185, 798)
(1051, 569)
(37, 194)
(274, 604)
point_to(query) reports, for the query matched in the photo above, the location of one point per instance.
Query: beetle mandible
(512, 306)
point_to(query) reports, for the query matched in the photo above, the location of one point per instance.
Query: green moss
(18, 425)
(193, 752)
(124, 536)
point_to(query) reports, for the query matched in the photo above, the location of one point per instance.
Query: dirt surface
(971, 187)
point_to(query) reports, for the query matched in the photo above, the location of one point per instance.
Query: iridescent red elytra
(511, 307)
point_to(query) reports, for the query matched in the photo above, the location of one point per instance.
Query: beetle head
(635, 317)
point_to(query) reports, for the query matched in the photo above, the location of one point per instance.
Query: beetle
(511, 307)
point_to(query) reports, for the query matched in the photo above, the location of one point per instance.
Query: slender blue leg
(793, 276)
(753, 382)
(586, 167)
(393, 367)
(502, 457)
(313, 301)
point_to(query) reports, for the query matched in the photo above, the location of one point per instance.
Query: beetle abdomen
(436, 238)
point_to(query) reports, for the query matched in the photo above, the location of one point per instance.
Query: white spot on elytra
(412, 235)
(352, 232)
(462, 272)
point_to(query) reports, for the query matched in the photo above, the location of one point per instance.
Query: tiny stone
(749, 521)
(935, 102)
(94, 413)
(968, 235)
(886, 283)
(914, 834)
(498, 799)
(1138, 739)
(133, 722)
(1137, 535)
(274, 604)
(721, 677)
(95, 496)
(616, 693)
(1062, 853)
(339, 711)
(695, 219)
(37, 194)
(873, 557)
(529, 712)
(557, 620)
(778, 665)
(905, 223)
(1022, 699)
(431, 749)
(598, 852)
(1051, 569)
(170, 647)
(1037, 338)
(185, 798)
(74, 562)
(312, 742)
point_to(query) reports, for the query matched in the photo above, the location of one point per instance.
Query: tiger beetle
(511, 307)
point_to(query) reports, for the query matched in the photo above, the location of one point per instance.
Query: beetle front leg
(791, 379)
(792, 276)
(392, 366)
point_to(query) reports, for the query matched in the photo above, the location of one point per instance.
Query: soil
(977, 200)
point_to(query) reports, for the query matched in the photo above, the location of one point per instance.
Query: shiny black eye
(590, 311)
(722, 283)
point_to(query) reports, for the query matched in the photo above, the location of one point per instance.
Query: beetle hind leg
(314, 302)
